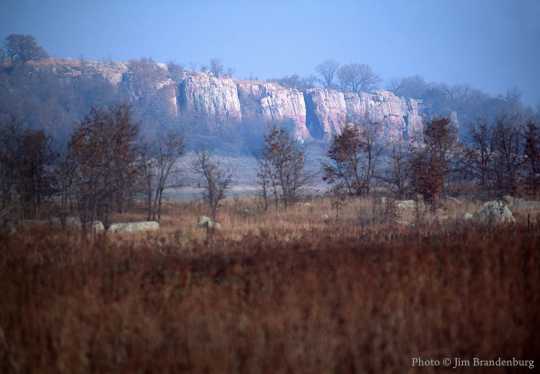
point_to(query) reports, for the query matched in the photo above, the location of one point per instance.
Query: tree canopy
(22, 48)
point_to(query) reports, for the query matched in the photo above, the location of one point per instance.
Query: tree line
(495, 159)
(103, 167)
(498, 159)
(108, 165)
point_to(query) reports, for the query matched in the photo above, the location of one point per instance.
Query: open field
(277, 292)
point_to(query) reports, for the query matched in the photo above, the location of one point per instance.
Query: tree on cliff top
(327, 70)
(297, 82)
(22, 48)
(216, 67)
(357, 77)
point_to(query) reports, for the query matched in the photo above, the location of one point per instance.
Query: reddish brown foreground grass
(329, 302)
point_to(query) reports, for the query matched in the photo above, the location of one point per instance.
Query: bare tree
(214, 179)
(479, 153)
(413, 86)
(297, 82)
(176, 71)
(507, 158)
(159, 158)
(267, 182)
(10, 137)
(357, 77)
(399, 168)
(103, 148)
(281, 166)
(216, 67)
(531, 158)
(22, 48)
(26, 159)
(34, 170)
(65, 172)
(327, 70)
(230, 72)
(431, 160)
(353, 157)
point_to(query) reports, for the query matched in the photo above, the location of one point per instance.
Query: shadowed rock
(494, 213)
(208, 223)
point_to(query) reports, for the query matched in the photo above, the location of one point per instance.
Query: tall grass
(329, 299)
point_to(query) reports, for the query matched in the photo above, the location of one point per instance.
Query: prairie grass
(275, 292)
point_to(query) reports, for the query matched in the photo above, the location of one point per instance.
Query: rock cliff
(272, 102)
(329, 110)
(210, 97)
(313, 114)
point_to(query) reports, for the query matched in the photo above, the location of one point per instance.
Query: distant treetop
(22, 48)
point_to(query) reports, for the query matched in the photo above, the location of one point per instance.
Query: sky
(493, 45)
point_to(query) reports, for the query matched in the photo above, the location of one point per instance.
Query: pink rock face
(330, 110)
(272, 102)
(214, 98)
(327, 112)
(314, 114)
(73, 68)
(168, 93)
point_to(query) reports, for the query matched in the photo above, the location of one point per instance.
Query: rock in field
(494, 213)
(131, 227)
(468, 216)
(208, 223)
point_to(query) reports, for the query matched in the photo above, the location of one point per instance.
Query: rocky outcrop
(327, 112)
(312, 114)
(159, 91)
(211, 98)
(494, 213)
(272, 102)
(112, 72)
(330, 110)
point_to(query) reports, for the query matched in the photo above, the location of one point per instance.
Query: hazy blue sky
(491, 44)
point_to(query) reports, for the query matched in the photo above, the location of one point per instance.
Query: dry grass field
(290, 291)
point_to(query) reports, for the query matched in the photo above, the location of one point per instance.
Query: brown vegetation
(298, 296)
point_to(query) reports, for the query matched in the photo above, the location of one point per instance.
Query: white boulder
(406, 204)
(131, 227)
(494, 213)
(208, 223)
